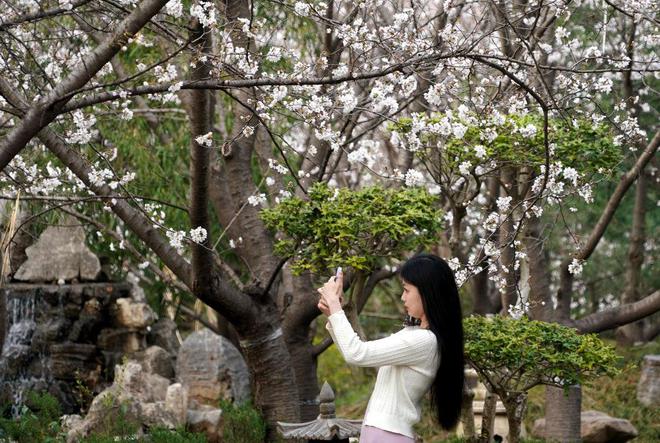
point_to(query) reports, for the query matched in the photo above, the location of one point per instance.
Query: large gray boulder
(596, 427)
(211, 368)
(60, 254)
(648, 388)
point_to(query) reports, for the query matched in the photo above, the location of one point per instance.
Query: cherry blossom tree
(166, 126)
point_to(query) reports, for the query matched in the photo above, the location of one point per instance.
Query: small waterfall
(58, 337)
(17, 352)
(21, 326)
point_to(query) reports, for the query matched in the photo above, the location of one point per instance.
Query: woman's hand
(332, 295)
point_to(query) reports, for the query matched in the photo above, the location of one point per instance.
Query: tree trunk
(467, 414)
(633, 332)
(488, 417)
(516, 406)
(272, 376)
(482, 303)
(3, 316)
(304, 363)
(562, 414)
(540, 303)
(509, 293)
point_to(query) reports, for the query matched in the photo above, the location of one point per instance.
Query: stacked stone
(66, 347)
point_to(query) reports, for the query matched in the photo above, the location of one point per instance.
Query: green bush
(341, 227)
(242, 423)
(38, 420)
(516, 355)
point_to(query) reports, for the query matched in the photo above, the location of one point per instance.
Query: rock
(648, 388)
(176, 402)
(147, 387)
(72, 425)
(60, 253)
(596, 427)
(156, 415)
(212, 369)
(133, 315)
(110, 406)
(135, 398)
(123, 340)
(69, 359)
(164, 334)
(208, 421)
(156, 360)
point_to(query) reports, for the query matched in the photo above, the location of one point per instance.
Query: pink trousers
(370, 434)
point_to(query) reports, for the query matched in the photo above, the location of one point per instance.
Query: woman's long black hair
(437, 286)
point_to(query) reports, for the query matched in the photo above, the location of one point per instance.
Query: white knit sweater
(408, 362)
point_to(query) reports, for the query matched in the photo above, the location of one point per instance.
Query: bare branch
(620, 315)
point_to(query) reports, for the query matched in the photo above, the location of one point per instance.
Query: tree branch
(620, 315)
(41, 113)
(565, 291)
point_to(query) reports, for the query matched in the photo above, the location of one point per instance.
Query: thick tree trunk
(304, 363)
(618, 316)
(562, 414)
(516, 406)
(274, 384)
(633, 332)
(297, 303)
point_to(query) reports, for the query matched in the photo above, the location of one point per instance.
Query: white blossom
(256, 200)
(66, 4)
(528, 131)
(492, 221)
(503, 203)
(205, 140)
(174, 8)
(464, 167)
(274, 54)
(248, 131)
(205, 13)
(83, 133)
(198, 235)
(301, 8)
(176, 238)
(571, 175)
(480, 152)
(413, 178)
(575, 267)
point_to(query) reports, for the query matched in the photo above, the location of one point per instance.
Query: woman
(426, 353)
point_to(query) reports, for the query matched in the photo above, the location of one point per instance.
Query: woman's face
(412, 300)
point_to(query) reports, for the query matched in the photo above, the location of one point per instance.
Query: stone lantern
(326, 427)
